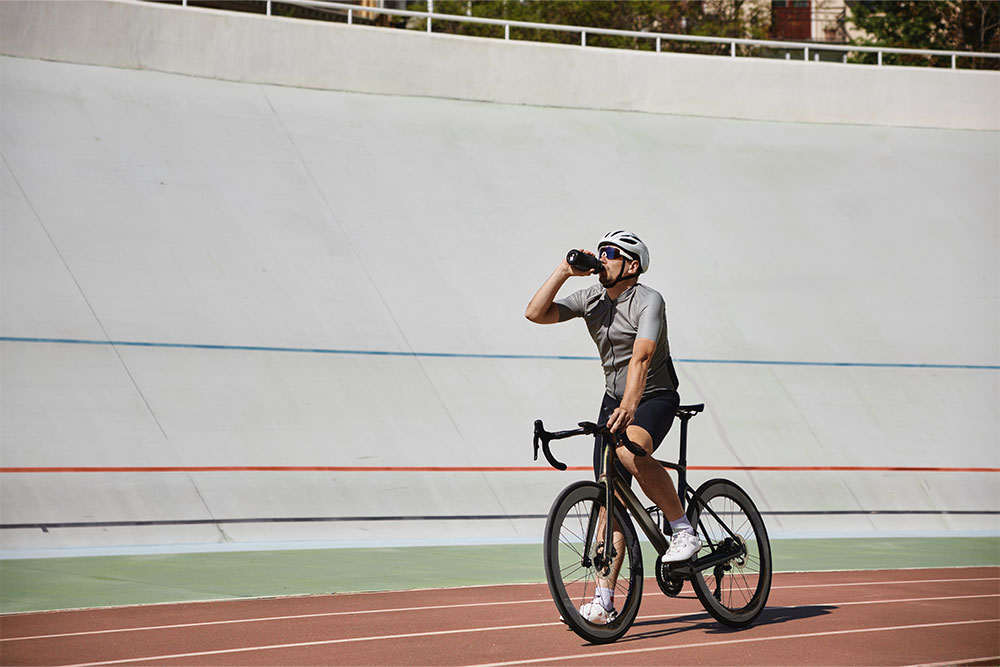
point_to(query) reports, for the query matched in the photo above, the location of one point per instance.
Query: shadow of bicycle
(702, 622)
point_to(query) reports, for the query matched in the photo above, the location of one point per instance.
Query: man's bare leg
(657, 484)
(652, 477)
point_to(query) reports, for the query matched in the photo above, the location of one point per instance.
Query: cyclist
(627, 321)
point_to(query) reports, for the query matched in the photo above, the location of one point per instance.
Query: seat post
(682, 459)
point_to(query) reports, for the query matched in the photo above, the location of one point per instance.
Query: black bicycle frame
(630, 500)
(632, 503)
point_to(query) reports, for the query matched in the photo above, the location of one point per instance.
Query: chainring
(671, 586)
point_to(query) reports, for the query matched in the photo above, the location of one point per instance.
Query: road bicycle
(731, 574)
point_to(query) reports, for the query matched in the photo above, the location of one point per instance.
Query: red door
(791, 19)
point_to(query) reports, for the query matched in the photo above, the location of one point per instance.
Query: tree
(948, 25)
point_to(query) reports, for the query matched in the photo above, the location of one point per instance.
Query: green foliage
(949, 25)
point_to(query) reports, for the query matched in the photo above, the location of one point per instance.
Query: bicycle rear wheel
(573, 566)
(733, 592)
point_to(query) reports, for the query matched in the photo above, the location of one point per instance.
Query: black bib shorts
(655, 414)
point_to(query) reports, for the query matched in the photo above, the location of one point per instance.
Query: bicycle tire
(570, 569)
(735, 592)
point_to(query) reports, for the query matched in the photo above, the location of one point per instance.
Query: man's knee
(641, 437)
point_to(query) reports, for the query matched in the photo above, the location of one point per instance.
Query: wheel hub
(741, 560)
(602, 561)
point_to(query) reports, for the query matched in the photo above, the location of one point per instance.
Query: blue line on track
(463, 355)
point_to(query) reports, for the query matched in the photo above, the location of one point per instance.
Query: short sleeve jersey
(615, 324)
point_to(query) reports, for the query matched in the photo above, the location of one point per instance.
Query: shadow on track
(669, 627)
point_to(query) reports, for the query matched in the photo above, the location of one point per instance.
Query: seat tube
(682, 463)
(610, 474)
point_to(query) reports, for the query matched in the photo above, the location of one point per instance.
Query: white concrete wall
(273, 50)
(176, 211)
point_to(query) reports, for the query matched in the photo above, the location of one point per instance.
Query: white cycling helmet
(631, 244)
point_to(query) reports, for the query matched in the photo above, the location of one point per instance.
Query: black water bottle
(582, 261)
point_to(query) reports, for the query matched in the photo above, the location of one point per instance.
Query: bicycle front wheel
(733, 592)
(575, 565)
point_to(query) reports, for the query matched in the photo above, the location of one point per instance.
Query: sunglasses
(611, 252)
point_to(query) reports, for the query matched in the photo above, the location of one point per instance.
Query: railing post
(806, 54)
(583, 38)
(350, 16)
(657, 44)
(268, 7)
(953, 61)
(430, 10)
(732, 49)
(879, 58)
(506, 31)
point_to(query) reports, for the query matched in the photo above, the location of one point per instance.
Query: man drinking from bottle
(627, 321)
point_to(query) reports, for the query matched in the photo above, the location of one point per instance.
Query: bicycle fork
(601, 524)
(600, 528)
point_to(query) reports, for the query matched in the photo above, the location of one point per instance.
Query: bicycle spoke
(578, 561)
(738, 594)
(571, 542)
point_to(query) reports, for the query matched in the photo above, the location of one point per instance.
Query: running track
(889, 617)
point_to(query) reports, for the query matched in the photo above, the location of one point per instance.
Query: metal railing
(430, 16)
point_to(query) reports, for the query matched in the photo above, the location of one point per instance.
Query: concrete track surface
(260, 315)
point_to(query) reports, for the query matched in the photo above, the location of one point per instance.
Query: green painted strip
(64, 583)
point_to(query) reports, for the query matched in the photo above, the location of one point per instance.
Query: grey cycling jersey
(614, 325)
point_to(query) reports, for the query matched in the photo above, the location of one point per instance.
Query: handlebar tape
(545, 437)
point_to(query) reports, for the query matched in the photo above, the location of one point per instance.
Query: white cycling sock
(681, 525)
(606, 596)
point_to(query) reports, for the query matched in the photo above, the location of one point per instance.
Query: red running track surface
(888, 617)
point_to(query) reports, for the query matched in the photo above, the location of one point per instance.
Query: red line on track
(450, 469)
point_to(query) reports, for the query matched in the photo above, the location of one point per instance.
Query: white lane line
(871, 583)
(748, 640)
(887, 583)
(852, 603)
(433, 607)
(437, 633)
(324, 642)
(991, 660)
(176, 626)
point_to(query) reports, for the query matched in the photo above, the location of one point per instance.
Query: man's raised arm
(541, 309)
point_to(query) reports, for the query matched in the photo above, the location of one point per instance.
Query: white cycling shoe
(683, 546)
(595, 613)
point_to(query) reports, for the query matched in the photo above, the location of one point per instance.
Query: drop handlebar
(544, 437)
